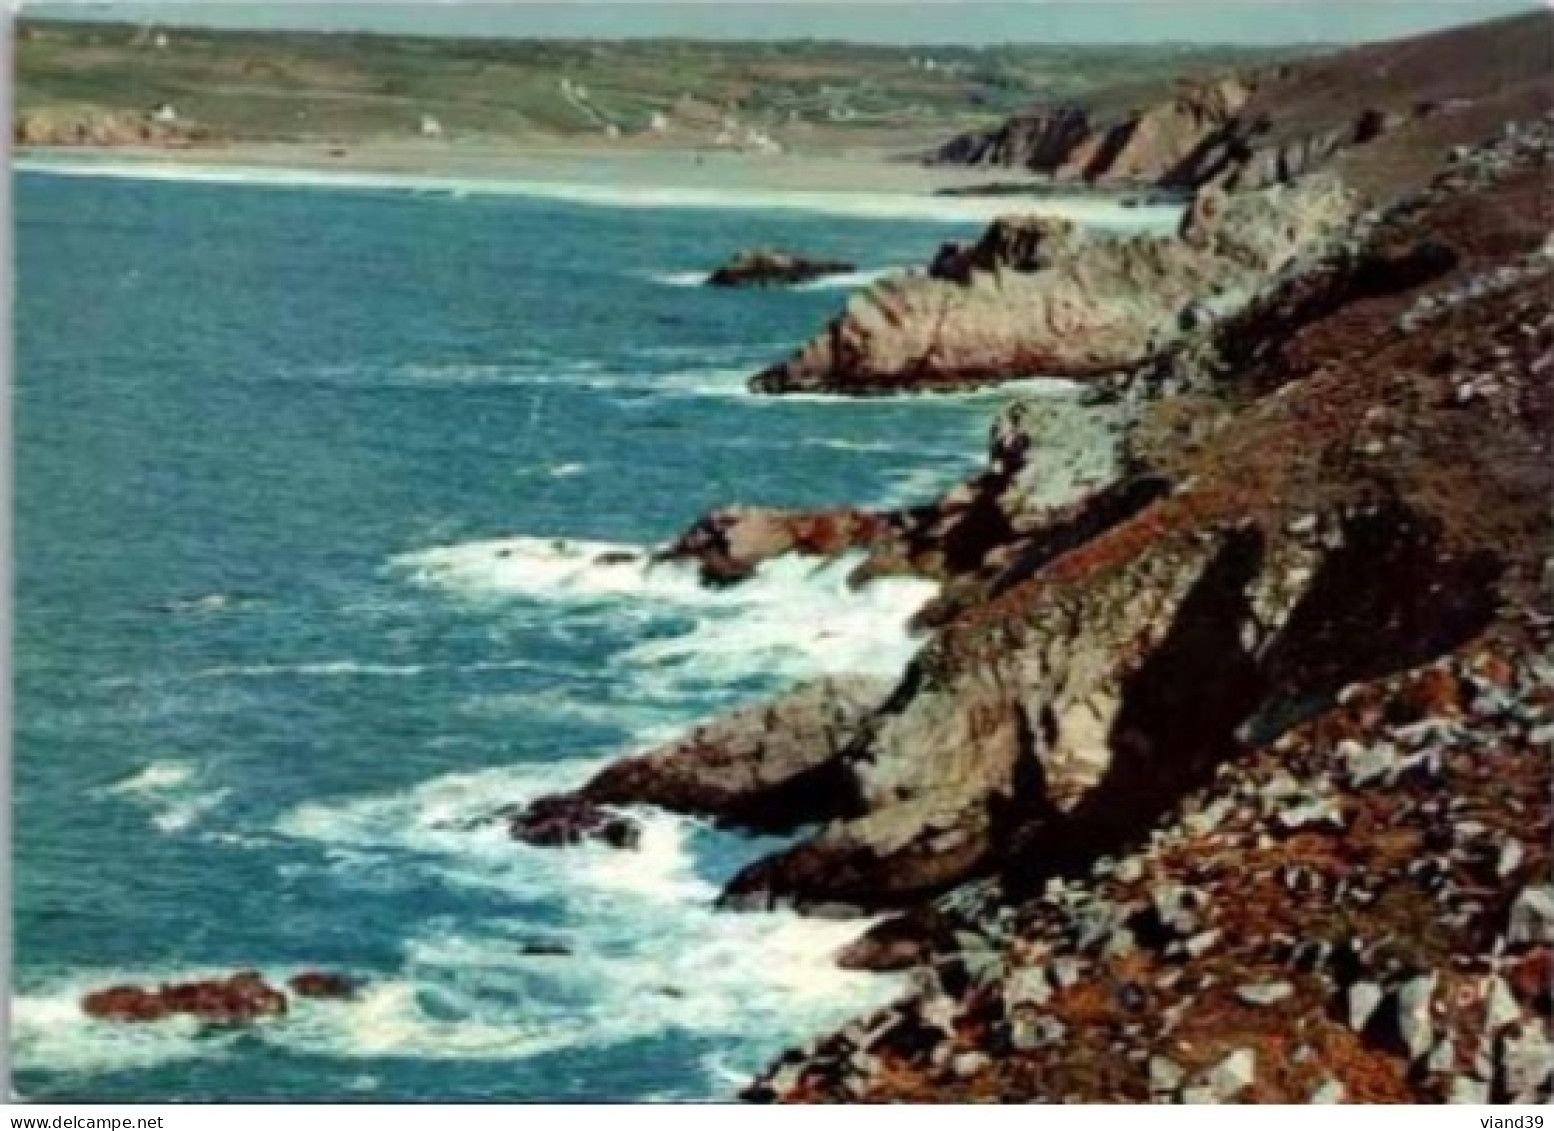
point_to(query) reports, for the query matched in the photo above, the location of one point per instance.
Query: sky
(880, 21)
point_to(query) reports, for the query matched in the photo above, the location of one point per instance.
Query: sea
(312, 480)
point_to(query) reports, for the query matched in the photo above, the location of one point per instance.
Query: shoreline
(865, 184)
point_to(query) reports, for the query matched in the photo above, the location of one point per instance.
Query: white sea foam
(552, 568)
(170, 791)
(156, 776)
(795, 618)
(647, 954)
(49, 1030)
(681, 278)
(848, 280)
(624, 194)
(844, 280)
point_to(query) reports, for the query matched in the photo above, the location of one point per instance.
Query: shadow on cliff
(1390, 598)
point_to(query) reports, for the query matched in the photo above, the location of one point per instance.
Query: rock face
(242, 998)
(1381, 113)
(767, 767)
(1038, 298)
(765, 267)
(1063, 142)
(729, 545)
(1043, 139)
(1011, 243)
(1244, 794)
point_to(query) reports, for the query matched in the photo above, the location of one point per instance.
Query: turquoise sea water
(309, 484)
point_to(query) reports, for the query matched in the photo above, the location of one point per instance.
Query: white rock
(1532, 916)
(1265, 993)
(1526, 1062)
(969, 1064)
(1467, 1090)
(1500, 1008)
(1165, 1076)
(1233, 1075)
(1329, 1092)
(1414, 1020)
(1363, 999)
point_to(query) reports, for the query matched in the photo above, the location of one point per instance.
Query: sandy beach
(871, 170)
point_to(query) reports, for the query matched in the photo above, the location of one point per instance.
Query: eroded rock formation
(1039, 298)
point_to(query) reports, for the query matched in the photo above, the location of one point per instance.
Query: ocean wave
(646, 955)
(796, 618)
(172, 794)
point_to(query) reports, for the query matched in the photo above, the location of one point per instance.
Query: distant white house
(758, 142)
(659, 122)
(164, 114)
(160, 42)
(612, 131)
(430, 126)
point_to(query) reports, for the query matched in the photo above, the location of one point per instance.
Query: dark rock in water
(325, 984)
(764, 267)
(566, 819)
(617, 557)
(540, 948)
(241, 998)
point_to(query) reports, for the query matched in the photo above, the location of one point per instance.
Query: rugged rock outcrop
(729, 545)
(1043, 139)
(1382, 114)
(1203, 618)
(564, 819)
(1038, 298)
(765, 267)
(1259, 774)
(768, 767)
(241, 998)
(1343, 917)
(1064, 143)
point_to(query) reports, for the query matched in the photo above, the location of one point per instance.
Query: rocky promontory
(1039, 297)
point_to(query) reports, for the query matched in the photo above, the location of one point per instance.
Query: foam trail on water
(681, 278)
(849, 280)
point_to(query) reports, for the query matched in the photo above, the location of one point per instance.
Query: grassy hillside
(267, 86)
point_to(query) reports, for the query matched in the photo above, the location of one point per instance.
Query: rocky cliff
(1384, 114)
(1231, 779)
(1038, 297)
